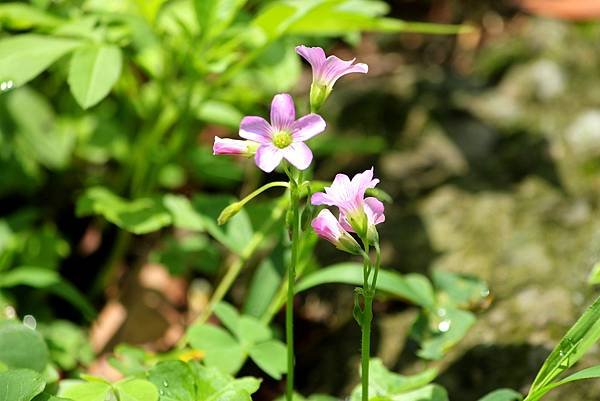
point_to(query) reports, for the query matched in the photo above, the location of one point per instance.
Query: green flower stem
(289, 311)
(367, 314)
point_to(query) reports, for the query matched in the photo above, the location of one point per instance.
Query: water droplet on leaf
(6, 85)
(165, 383)
(444, 326)
(30, 322)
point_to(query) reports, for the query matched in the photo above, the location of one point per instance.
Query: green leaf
(271, 357)
(20, 385)
(239, 231)
(503, 394)
(448, 330)
(461, 290)
(140, 216)
(214, 385)
(136, 390)
(252, 330)
(263, 287)
(22, 347)
(49, 397)
(93, 72)
(175, 381)
(594, 277)
(184, 215)
(214, 16)
(578, 340)
(20, 16)
(38, 277)
(228, 315)
(221, 349)
(88, 391)
(412, 287)
(216, 112)
(39, 137)
(23, 57)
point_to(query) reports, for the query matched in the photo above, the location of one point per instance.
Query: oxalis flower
(228, 146)
(328, 227)
(357, 213)
(283, 137)
(326, 71)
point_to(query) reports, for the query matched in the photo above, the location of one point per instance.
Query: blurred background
(487, 141)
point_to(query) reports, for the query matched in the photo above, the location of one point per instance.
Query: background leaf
(20, 385)
(22, 347)
(93, 72)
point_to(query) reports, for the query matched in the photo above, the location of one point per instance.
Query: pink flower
(327, 227)
(326, 71)
(357, 213)
(284, 136)
(227, 146)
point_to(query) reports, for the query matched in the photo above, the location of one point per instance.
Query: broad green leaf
(139, 216)
(49, 397)
(239, 231)
(228, 315)
(22, 347)
(216, 112)
(212, 384)
(93, 72)
(175, 381)
(221, 349)
(21, 16)
(89, 391)
(20, 385)
(271, 357)
(386, 384)
(252, 330)
(578, 340)
(460, 290)
(136, 390)
(68, 344)
(184, 215)
(263, 287)
(503, 394)
(412, 287)
(214, 16)
(23, 57)
(49, 280)
(39, 137)
(447, 331)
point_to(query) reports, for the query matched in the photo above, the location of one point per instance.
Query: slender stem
(260, 190)
(366, 342)
(289, 315)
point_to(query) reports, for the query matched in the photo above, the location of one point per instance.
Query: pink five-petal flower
(327, 70)
(228, 146)
(328, 227)
(357, 213)
(284, 136)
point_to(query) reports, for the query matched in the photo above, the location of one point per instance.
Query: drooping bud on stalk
(327, 227)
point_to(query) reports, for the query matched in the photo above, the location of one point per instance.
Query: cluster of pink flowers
(284, 137)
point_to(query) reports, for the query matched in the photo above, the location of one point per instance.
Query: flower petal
(320, 198)
(374, 209)
(308, 126)
(299, 154)
(283, 112)
(314, 55)
(268, 157)
(335, 68)
(228, 146)
(326, 226)
(256, 129)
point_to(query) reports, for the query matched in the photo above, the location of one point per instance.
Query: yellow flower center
(282, 139)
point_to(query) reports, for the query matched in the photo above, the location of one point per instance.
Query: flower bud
(229, 212)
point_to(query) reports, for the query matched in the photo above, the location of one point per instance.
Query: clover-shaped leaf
(247, 336)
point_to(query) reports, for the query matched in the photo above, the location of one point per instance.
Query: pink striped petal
(314, 55)
(374, 209)
(268, 157)
(308, 126)
(299, 154)
(256, 129)
(335, 68)
(283, 112)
